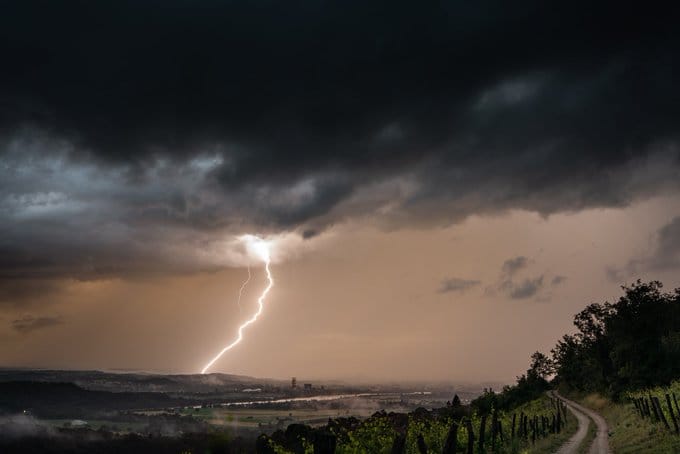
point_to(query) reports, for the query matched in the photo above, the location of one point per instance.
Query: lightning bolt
(240, 292)
(264, 253)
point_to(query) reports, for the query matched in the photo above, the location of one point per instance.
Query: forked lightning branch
(260, 248)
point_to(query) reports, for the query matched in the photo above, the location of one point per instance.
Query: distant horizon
(301, 379)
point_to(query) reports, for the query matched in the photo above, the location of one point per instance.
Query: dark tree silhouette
(631, 344)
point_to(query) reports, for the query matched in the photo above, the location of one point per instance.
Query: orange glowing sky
(444, 184)
(357, 302)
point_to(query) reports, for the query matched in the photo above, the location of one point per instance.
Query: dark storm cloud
(509, 285)
(557, 280)
(457, 285)
(513, 265)
(667, 254)
(19, 290)
(527, 288)
(29, 323)
(309, 233)
(664, 257)
(133, 132)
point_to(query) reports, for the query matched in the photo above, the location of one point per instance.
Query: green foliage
(377, 433)
(631, 344)
(374, 435)
(434, 432)
(660, 392)
(628, 432)
(529, 386)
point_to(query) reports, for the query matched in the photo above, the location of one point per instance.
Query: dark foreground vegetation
(85, 441)
(451, 429)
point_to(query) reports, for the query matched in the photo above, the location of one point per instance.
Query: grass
(589, 438)
(628, 432)
(549, 444)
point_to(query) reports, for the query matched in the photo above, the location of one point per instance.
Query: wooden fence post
(482, 429)
(656, 412)
(512, 432)
(471, 438)
(422, 447)
(553, 425)
(663, 417)
(399, 444)
(676, 404)
(494, 429)
(637, 407)
(538, 433)
(500, 431)
(451, 439)
(670, 410)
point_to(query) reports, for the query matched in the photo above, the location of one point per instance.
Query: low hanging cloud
(558, 280)
(29, 323)
(457, 285)
(527, 288)
(664, 257)
(667, 253)
(513, 265)
(517, 287)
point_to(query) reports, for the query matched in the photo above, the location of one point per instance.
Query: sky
(443, 185)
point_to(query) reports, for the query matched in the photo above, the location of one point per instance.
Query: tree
(541, 366)
(630, 344)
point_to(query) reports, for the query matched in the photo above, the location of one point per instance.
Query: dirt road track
(601, 443)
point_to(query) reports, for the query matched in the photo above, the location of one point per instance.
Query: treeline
(628, 345)
(529, 386)
(631, 344)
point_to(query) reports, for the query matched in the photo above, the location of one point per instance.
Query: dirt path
(575, 441)
(601, 443)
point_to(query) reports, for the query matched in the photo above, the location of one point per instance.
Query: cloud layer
(455, 284)
(664, 256)
(137, 137)
(29, 323)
